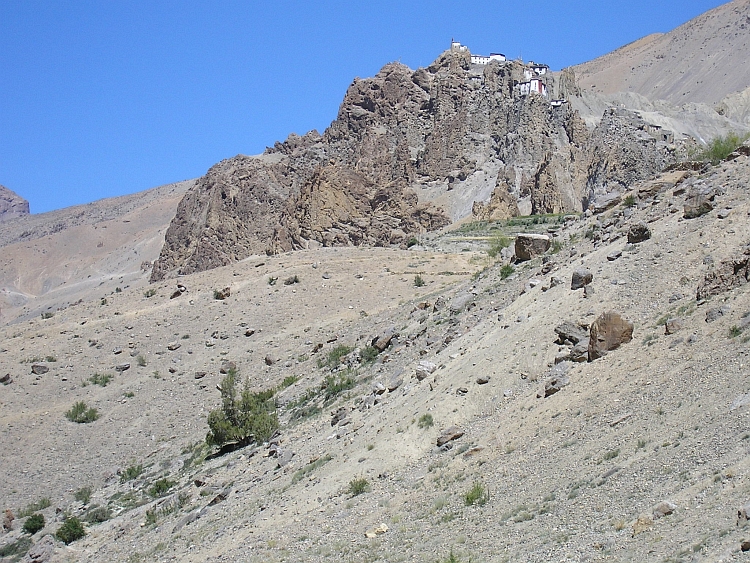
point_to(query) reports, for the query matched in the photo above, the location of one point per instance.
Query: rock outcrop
(457, 133)
(12, 205)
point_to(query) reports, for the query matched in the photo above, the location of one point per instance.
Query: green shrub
(506, 271)
(333, 358)
(629, 201)
(97, 515)
(478, 494)
(131, 472)
(16, 549)
(335, 384)
(50, 359)
(160, 487)
(721, 147)
(358, 486)
(418, 281)
(425, 421)
(71, 530)
(735, 331)
(149, 293)
(412, 242)
(83, 495)
(497, 243)
(48, 315)
(101, 379)
(244, 416)
(141, 360)
(369, 354)
(41, 504)
(33, 524)
(81, 413)
(288, 381)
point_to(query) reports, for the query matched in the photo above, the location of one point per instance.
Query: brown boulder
(530, 245)
(608, 332)
(727, 275)
(449, 434)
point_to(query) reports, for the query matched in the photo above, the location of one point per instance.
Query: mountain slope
(702, 61)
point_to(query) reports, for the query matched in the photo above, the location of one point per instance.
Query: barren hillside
(702, 61)
(474, 432)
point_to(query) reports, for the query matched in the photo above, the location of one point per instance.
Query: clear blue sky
(104, 98)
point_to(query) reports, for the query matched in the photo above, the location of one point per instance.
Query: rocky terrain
(12, 205)
(479, 326)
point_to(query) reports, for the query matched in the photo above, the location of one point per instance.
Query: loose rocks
(449, 434)
(638, 233)
(581, 278)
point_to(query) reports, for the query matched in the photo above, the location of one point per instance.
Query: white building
(533, 86)
(456, 47)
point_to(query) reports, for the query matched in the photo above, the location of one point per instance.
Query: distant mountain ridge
(12, 205)
(701, 61)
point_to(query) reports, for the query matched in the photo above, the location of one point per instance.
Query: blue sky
(104, 98)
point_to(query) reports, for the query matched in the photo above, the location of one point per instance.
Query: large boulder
(581, 278)
(608, 332)
(530, 245)
(638, 233)
(699, 201)
(727, 275)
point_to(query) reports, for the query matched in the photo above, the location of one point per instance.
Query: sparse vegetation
(629, 201)
(33, 523)
(735, 331)
(418, 281)
(478, 494)
(149, 293)
(506, 271)
(141, 360)
(16, 549)
(100, 379)
(83, 495)
(358, 486)
(41, 504)
(161, 487)
(333, 358)
(335, 384)
(244, 416)
(369, 354)
(612, 454)
(71, 530)
(82, 413)
(497, 243)
(556, 246)
(412, 242)
(48, 314)
(271, 281)
(311, 467)
(131, 472)
(288, 381)
(721, 147)
(425, 421)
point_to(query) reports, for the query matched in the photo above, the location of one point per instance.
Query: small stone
(483, 379)
(227, 366)
(425, 369)
(172, 346)
(638, 233)
(724, 213)
(664, 508)
(200, 374)
(269, 360)
(122, 367)
(377, 531)
(581, 277)
(6, 379)
(249, 332)
(672, 326)
(39, 369)
(449, 434)
(614, 255)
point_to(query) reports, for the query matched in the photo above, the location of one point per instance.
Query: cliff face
(12, 205)
(459, 138)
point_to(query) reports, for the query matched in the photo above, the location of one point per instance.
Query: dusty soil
(574, 476)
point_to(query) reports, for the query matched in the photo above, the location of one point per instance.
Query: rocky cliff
(411, 151)
(12, 205)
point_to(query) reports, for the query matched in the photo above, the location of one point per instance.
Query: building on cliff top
(456, 47)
